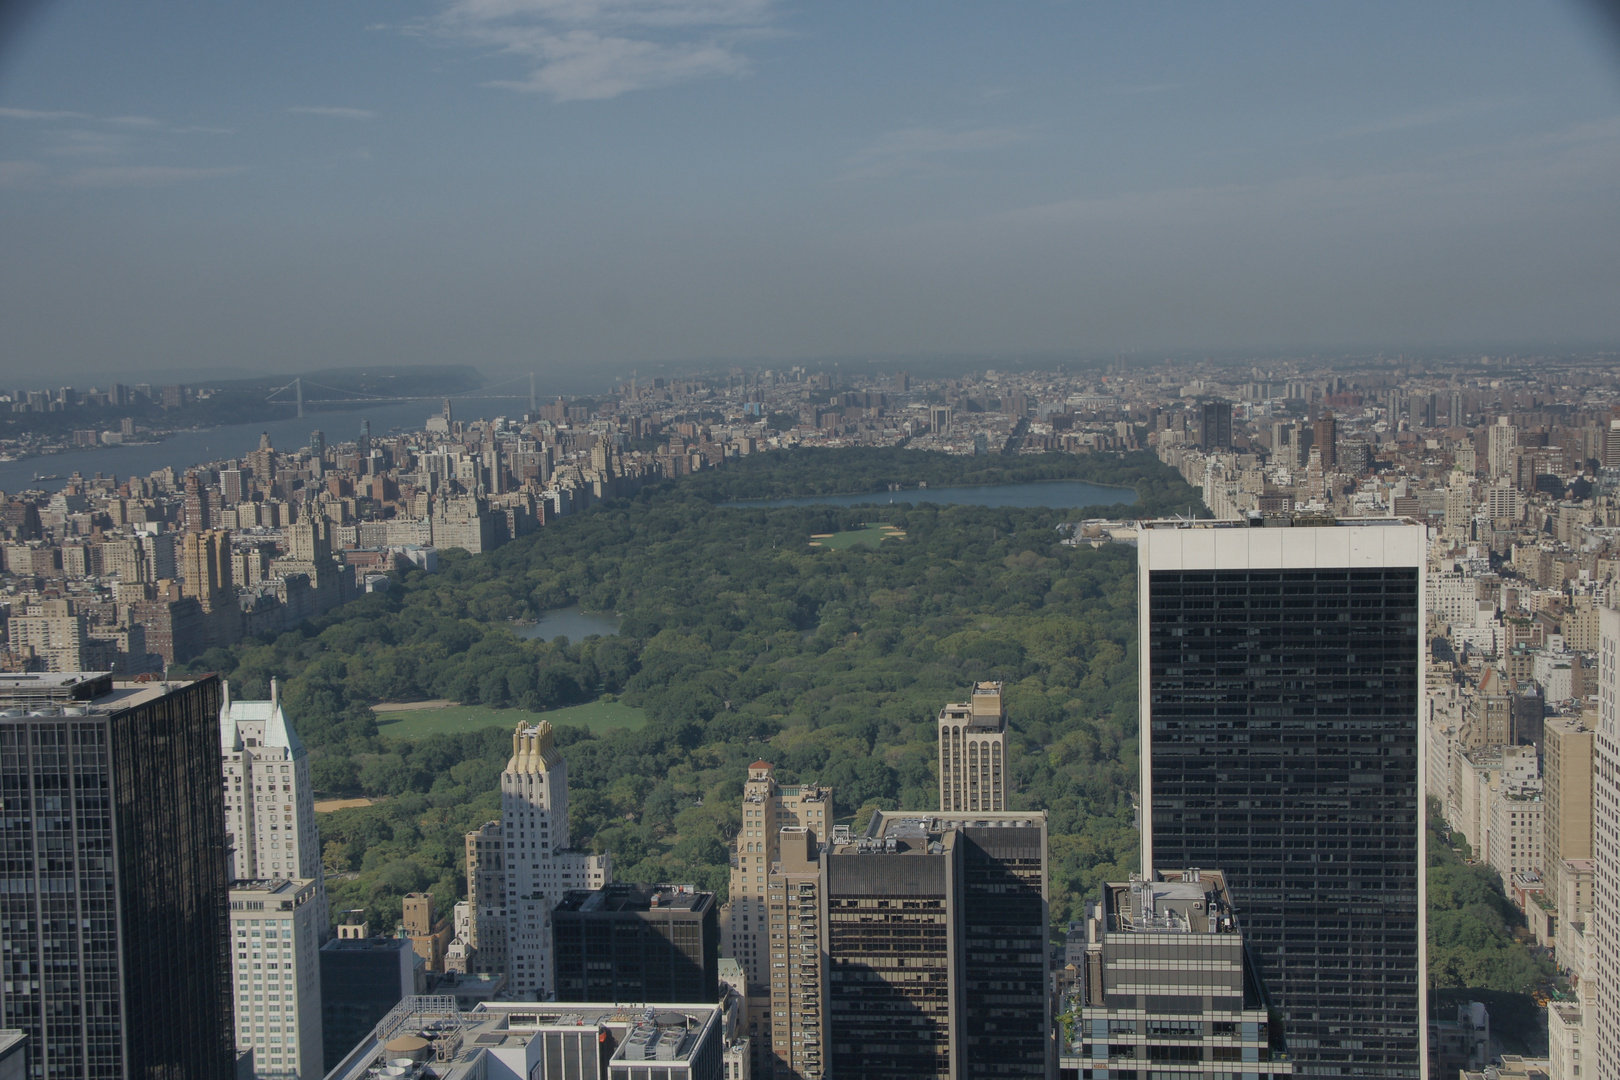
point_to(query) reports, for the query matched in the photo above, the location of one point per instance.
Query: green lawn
(866, 536)
(597, 715)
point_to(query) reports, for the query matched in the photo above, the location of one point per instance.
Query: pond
(571, 623)
(1053, 494)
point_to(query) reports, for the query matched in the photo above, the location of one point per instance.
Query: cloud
(43, 114)
(135, 121)
(17, 173)
(339, 112)
(581, 50)
(915, 149)
(115, 176)
(1411, 121)
(76, 142)
(1147, 88)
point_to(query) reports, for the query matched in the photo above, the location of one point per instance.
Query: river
(187, 448)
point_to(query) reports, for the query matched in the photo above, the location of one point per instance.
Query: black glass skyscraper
(114, 901)
(1281, 689)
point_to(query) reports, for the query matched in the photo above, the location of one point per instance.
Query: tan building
(767, 809)
(1603, 960)
(973, 772)
(1567, 774)
(54, 633)
(797, 1033)
(429, 937)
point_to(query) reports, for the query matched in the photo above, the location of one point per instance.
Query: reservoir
(1048, 494)
(569, 622)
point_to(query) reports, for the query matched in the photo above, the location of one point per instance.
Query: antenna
(532, 409)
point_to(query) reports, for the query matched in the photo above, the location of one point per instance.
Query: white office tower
(276, 931)
(540, 867)
(269, 803)
(1604, 968)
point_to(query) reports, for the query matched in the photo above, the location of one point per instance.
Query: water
(187, 448)
(1050, 494)
(570, 622)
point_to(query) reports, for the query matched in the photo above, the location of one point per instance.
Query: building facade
(1603, 962)
(1281, 686)
(115, 897)
(276, 929)
(973, 771)
(767, 808)
(486, 899)
(936, 931)
(269, 799)
(1165, 983)
(794, 1031)
(637, 943)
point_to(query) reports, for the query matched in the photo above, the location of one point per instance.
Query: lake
(187, 448)
(571, 623)
(1052, 494)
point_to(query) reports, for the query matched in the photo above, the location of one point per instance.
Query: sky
(581, 187)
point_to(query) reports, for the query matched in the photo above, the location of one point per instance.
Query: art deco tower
(973, 771)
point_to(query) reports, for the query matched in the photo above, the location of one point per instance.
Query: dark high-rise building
(936, 929)
(362, 978)
(114, 903)
(1215, 429)
(1327, 439)
(1281, 683)
(637, 943)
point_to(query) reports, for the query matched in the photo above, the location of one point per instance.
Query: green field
(597, 716)
(866, 536)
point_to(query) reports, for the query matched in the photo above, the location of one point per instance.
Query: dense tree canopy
(741, 641)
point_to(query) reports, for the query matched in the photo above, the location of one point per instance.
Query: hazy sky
(580, 186)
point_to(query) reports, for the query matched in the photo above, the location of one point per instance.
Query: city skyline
(600, 184)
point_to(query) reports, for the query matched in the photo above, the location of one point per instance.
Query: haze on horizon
(579, 187)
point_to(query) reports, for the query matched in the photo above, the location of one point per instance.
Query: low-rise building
(520, 1040)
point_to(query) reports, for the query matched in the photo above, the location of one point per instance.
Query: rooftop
(914, 833)
(430, 1038)
(627, 897)
(75, 693)
(1189, 901)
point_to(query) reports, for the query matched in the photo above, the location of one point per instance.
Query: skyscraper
(540, 866)
(1327, 439)
(114, 900)
(1281, 680)
(1215, 427)
(936, 928)
(1603, 967)
(269, 800)
(973, 772)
